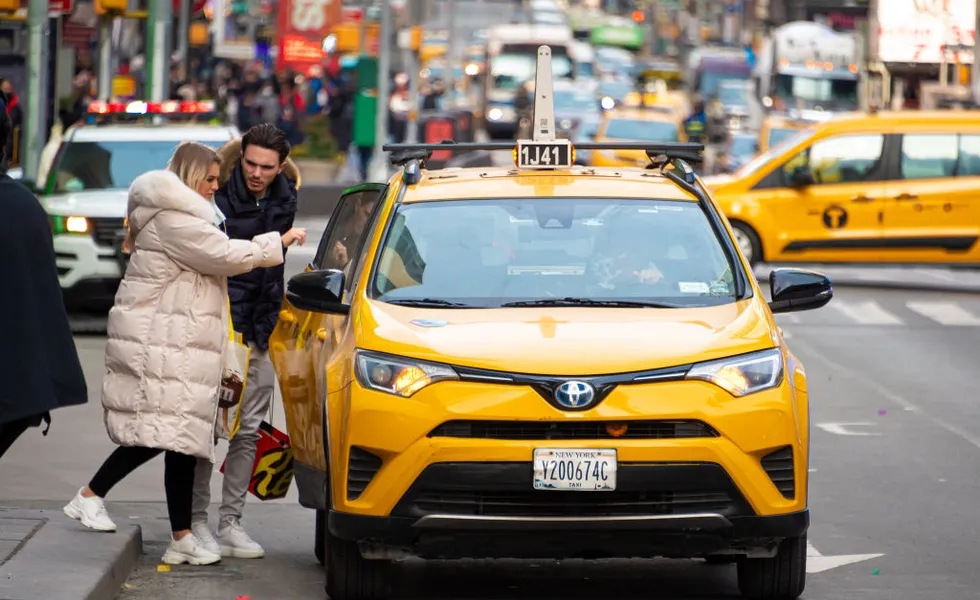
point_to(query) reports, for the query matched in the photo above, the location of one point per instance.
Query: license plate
(544, 155)
(582, 470)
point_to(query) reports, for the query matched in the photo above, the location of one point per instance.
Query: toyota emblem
(574, 394)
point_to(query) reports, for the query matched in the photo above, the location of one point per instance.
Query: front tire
(349, 575)
(320, 544)
(782, 577)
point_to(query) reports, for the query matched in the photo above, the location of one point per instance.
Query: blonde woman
(167, 332)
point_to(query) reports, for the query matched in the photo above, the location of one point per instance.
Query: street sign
(61, 7)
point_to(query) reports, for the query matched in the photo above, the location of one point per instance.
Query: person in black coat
(40, 369)
(258, 192)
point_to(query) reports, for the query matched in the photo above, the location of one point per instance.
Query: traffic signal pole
(378, 170)
(37, 74)
(158, 33)
(105, 58)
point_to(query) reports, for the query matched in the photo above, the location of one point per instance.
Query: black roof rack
(404, 153)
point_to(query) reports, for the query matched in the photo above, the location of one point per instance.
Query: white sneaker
(90, 511)
(189, 549)
(204, 535)
(235, 542)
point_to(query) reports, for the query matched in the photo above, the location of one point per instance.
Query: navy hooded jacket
(256, 297)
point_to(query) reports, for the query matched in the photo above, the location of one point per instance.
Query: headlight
(742, 375)
(495, 114)
(396, 375)
(60, 224)
(608, 103)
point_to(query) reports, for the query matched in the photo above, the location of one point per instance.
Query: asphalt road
(895, 448)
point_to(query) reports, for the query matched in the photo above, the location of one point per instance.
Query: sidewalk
(888, 277)
(44, 554)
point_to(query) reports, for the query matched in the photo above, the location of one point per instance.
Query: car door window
(341, 241)
(929, 156)
(840, 159)
(968, 164)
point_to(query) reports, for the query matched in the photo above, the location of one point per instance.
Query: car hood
(92, 203)
(716, 182)
(566, 341)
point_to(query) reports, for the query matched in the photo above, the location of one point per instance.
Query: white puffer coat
(169, 326)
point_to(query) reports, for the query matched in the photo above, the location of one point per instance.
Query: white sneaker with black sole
(235, 542)
(189, 550)
(204, 535)
(90, 511)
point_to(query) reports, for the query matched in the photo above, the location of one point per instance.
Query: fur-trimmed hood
(160, 190)
(230, 154)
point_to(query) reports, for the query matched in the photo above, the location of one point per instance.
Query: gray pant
(241, 449)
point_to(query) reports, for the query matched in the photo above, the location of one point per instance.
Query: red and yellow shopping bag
(272, 473)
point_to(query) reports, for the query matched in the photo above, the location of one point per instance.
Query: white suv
(86, 194)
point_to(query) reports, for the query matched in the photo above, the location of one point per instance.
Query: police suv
(86, 191)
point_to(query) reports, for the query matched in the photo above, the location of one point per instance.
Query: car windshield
(494, 252)
(733, 95)
(617, 90)
(743, 145)
(778, 134)
(512, 70)
(644, 131)
(575, 99)
(111, 165)
(766, 157)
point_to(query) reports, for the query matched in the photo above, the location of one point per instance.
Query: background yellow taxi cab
(862, 188)
(635, 124)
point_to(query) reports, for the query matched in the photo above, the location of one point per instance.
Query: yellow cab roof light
(545, 151)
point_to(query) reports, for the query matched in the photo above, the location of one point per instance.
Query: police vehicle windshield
(100, 165)
(532, 251)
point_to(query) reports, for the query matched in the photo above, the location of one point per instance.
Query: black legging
(11, 430)
(178, 479)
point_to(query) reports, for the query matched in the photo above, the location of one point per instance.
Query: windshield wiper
(428, 302)
(590, 302)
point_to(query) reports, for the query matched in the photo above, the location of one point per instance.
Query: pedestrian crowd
(206, 239)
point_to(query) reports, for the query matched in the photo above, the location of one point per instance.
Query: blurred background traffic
(342, 78)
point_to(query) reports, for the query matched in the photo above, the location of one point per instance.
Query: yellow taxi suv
(877, 188)
(634, 125)
(545, 361)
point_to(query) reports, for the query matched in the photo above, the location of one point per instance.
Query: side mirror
(801, 176)
(794, 290)
(318, 291)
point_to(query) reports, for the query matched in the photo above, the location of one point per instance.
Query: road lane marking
(842, 428)
(886, 393)
(817, 563)
(867, 312)
(945, 313)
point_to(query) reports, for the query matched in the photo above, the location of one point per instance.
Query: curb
(64, 561)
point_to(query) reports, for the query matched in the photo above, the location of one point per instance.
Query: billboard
(302, 26)
(915, 31)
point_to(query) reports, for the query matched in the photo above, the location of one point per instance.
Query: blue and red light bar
(170, 107)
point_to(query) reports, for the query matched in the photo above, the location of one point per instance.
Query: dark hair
(268, 136)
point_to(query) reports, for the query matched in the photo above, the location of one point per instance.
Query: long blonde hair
(191, 162)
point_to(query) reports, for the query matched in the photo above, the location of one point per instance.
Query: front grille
(779, 466)
(107, 231)
(534, 503)
(506, 489)
(572, 430)
(361, 469)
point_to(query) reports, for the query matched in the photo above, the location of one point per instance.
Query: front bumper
(704, 473)
(89, 273)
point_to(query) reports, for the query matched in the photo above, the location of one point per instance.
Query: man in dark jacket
(256, 197)
(40, 370)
